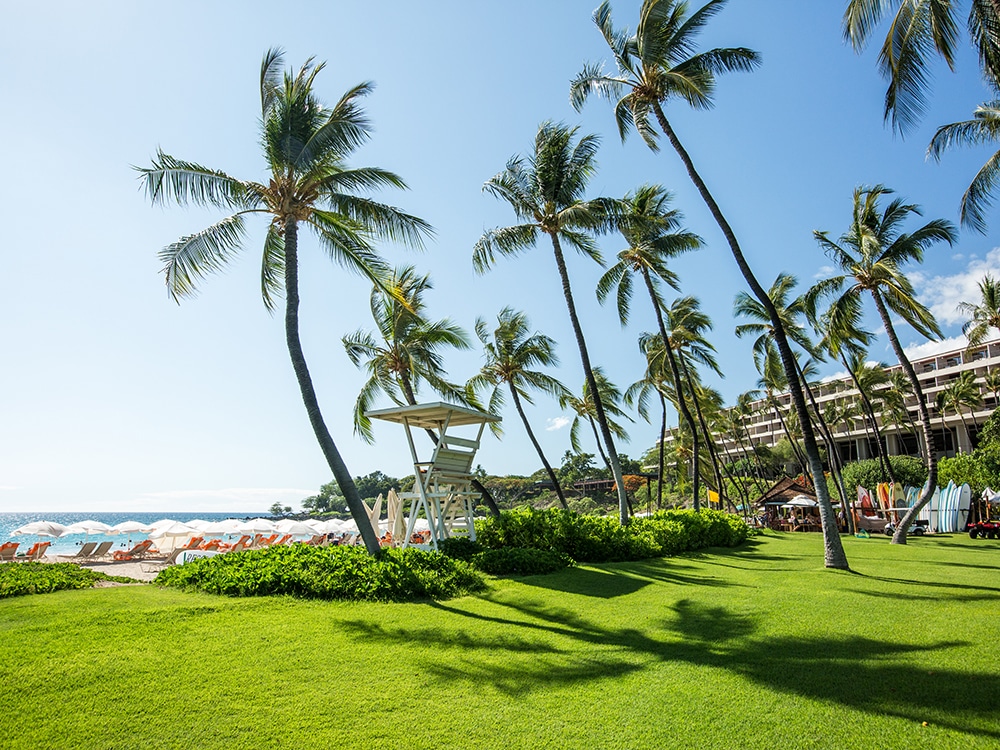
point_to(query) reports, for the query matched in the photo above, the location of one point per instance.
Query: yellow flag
(713, 497)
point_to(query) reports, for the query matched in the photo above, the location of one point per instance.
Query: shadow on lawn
(865, 674)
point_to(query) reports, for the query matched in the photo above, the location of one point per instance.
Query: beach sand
(140, 570)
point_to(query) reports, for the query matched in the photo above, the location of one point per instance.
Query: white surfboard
(964, 505)
(932, 509)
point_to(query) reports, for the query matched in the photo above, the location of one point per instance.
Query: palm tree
(919, 29)
(984, 127)
(655, 65)
(585, 409)
(871, 254)
(510, 353)
(406, 350)
(652, 231)
(985, 315)
(962, 392)
(546, 192)
(305, 148)
(992, 381)
(653, 381)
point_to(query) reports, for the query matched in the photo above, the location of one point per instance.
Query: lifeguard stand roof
(431, 416)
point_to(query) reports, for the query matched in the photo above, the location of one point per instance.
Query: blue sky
(112, 397)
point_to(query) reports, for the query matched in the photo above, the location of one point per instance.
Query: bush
(459, 548)
(520, 561)
(346, 573)
(868, 473)
(21, 578)
(603, 539)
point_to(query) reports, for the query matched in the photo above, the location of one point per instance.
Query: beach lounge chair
(242, 544)
(264, 541)
(8, 551)
(102, 550)
(140, 550)
(85, 552)
(37, 552)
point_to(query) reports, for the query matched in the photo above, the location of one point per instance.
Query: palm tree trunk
(326, 444)
(678, 389)
(873, 420)
(659, 459)
(709, 442)
(925, 423)
(834, 555)
(588, 371)
(534, 442)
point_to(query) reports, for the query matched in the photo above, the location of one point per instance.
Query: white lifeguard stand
(442, 487)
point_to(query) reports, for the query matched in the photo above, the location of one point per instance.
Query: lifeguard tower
(442, 487)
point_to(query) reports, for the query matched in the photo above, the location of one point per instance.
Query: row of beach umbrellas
(170, 528)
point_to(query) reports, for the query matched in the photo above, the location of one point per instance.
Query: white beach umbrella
(295, 528)
(175, 529)
(220, 528)
(801, 501)
(315, 523)
(257, 526)
(87, 527)
(40, 528)
(333, 525)
(198, 523)
(130, 527)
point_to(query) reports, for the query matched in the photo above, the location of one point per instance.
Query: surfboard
(932, 509)
(964, 504)
(946, 514)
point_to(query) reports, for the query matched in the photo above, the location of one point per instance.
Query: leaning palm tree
(405, 351)
(310, 184)
(984, 127)
(985, 315)
(652, 230)
(918, 30)
(871, 254)
(656, 64)
(511, 352)
(546, 192)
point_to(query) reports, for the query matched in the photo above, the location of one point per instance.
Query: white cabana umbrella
(800, 501)
(130, 527)
(295, 528)
(198, 523)
(87, 527)
(257, 526)
(167, 537)
(40, 528)
(221, 528)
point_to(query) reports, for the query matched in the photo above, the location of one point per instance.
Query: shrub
(21, 578)
(347, 573)
(459, 548)
(868, 472)
(603, 539)
(520, 561)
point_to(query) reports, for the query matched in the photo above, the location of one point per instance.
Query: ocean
(68, 545)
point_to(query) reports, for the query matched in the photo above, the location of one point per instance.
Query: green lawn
(758, 647)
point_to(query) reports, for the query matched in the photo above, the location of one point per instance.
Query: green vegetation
(603, 539)
(328, 573)
(868, 472)
(18, 579)
(752, 647)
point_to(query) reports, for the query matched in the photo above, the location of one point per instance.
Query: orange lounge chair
(8, 551)
(142, 549)
(242, 544)
(37, 552)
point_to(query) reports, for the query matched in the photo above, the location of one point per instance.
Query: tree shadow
(862, 673)
(603, 583)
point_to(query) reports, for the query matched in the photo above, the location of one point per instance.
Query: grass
(757, 647)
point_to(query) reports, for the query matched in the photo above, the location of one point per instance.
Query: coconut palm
(546, 192)
(510, 352)
(584, 408)
(652, 230)
(659, 63)
(984, 127)
(406, 349)
(961, 393)
(310, 184)
(918, 30)
(992, 381)
(655, 380)
(982, 316)
(871, 255)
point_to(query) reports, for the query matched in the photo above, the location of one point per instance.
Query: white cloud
(930, 348)
(943, 293)
(556, 423)
(825, 272)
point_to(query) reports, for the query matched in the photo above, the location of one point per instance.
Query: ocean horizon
(68, 545)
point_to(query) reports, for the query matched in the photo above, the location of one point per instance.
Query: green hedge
(347, 573)
(604, 539)
(868, 473)
(520, 561)
(20, 578)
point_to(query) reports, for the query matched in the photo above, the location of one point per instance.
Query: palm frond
(183, 182)
(505, 241)
(272, 268)
(193, 257)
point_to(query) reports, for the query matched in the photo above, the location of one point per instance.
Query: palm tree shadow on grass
(858, 672)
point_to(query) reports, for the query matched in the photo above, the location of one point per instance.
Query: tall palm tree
(406, 349)
(871, 254)
(656, 64)
(511, 352)
(652, 230)
(918, 30)
(546, 192)
(984, 127)
(962, 392)
(584, 408)
(982, 316)
(305, 149)
(654, 380)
